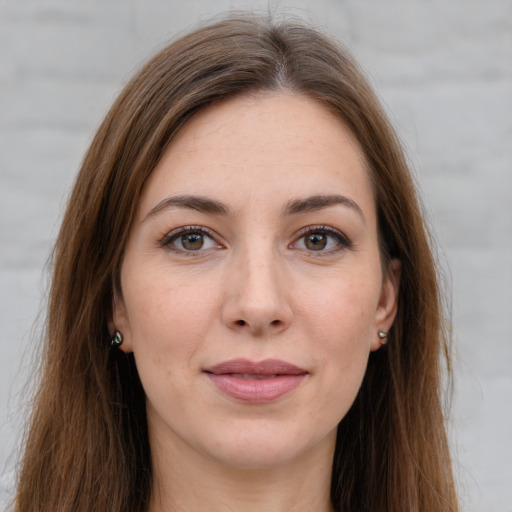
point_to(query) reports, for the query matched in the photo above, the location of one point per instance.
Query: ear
(118, 321)
(388, 302)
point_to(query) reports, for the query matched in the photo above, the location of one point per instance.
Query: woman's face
(252, 290)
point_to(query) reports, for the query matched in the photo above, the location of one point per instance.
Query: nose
(256, 299)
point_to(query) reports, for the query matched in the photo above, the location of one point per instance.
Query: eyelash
(343, 241)
(169, 238)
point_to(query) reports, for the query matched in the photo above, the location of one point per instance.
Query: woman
(244, 313)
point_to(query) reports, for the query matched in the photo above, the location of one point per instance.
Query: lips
(256, 382)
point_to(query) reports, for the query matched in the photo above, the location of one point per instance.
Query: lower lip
(256, 391)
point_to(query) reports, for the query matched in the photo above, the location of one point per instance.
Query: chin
(266, 448)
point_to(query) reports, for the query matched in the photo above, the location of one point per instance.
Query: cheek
(168, 326)
(345, 350)
(168, 317)
(341, 323)
(344, 317)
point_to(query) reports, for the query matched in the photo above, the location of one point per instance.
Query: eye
(321, 239)
(189, 239)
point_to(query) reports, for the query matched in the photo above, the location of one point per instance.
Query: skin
(256, 288)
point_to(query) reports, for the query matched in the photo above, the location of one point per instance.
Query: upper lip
(265, 367)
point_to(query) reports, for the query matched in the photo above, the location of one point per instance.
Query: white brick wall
(443, 68)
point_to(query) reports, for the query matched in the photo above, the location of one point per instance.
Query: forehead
(261, 146)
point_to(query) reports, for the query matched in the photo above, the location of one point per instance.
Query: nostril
(273, 323)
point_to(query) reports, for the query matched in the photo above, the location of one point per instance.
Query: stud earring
(383, 337)
(117, 339)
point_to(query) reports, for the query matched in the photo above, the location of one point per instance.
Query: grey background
(443, 68)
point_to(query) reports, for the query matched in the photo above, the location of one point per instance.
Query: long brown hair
(87, 447)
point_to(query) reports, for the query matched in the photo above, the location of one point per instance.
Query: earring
(117, 339)
(383, 337)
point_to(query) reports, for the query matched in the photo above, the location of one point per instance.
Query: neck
(198, 483)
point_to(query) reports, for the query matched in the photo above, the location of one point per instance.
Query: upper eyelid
(321, 228)
(166, 239)
(191, 228)
(343, 239)
(318, 227)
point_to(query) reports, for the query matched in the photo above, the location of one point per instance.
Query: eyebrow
(319, 202)
(199, 203)
(295, 206)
